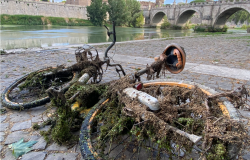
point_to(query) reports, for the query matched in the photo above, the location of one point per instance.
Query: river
(16, 36)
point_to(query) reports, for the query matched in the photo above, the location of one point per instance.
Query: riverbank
(220, 52)
(41, 20)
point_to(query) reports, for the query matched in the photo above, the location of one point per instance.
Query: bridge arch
(221, 19)
(157, 18)
(185, 15)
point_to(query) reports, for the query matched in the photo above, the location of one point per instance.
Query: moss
(61, 132)
(218, 152)
(36, 126)
(45, 135)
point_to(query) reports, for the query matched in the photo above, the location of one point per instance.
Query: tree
(197, 1)
(118, 12)
(139, 20)
(134, 10)
(165, 23)
(97, 12)
(240, 16)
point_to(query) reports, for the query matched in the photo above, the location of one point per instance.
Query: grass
(2, 52)
(41, 20)
(242, 37)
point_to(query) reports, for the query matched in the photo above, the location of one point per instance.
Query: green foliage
(165, 23)
(21, 20)
(197, 1)
(40, 20)
(97, 12)
(245, 26)
(135, 13)
(2, 52)
(139, 20)
(36, 126)
(241, 37)
(123, 12)
(118, 12)
(219, 152)
(19, 148)
(240, 16)
(205, 28)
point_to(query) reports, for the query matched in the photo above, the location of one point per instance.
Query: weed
(36, 126)
(2, 52)
(41, 20)
(241, 37)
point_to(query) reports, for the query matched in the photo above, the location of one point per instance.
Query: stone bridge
(214, 13)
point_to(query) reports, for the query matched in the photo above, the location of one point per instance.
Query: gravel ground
(231, 51)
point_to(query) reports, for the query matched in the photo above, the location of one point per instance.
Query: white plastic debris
(143, 97)
(84, 78)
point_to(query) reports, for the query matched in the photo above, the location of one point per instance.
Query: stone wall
(47, 9)
(79, 2)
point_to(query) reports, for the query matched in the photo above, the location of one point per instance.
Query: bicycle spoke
(119, 144)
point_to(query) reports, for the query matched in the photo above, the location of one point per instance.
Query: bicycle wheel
(133, 142)
(18, 99)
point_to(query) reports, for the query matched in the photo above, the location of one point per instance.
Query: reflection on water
(13, 36)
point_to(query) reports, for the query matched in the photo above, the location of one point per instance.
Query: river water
(16, 36)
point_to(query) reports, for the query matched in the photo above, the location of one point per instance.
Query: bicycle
(127, 125)
(42, 81)
(121, 128)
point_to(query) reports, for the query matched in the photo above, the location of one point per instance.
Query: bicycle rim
(127, 146)
(9, 103)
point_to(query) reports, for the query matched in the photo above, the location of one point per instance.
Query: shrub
(40, 20)
(165, 23)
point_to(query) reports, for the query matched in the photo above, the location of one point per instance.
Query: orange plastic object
(176, 58)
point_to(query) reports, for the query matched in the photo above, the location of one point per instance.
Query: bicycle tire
(21, 106)
(86, 151)
(86, 147)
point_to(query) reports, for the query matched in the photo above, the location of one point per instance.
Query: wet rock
(1, 147)
(62, 156)
(2, 136)
(21, 125)
(2, 118)
(55, 147)
(16, 136)
(4, 126)
(19, 116)
(8, 155)
(34, 156)
(41, 144)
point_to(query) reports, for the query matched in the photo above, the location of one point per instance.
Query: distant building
(144, 4)
(159, 3)
(147, 5)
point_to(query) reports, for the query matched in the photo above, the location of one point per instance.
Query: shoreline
(214, 51)
(63, 47)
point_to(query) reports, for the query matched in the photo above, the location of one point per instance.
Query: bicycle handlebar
(114, 40)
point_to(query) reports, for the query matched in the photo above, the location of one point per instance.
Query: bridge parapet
(213, 13)
(203, 3)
